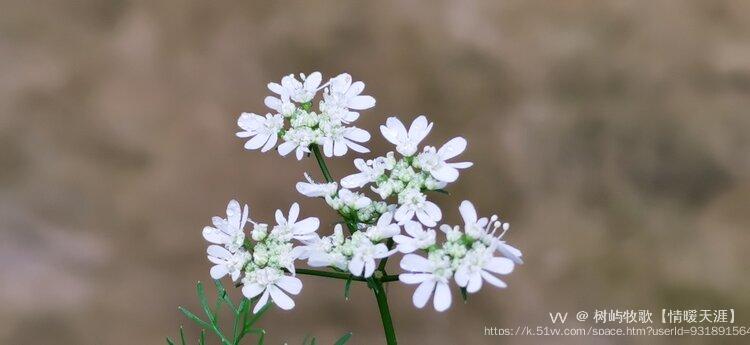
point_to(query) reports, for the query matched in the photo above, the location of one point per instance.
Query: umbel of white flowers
(466, 255)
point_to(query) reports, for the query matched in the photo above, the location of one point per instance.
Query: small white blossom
(291, 228)
(365, 253)
(226, 262)
(298, 140)
(479, 265)
(229, 232)
(384, 228)
(337, 140)
(263, 130)
(479, 228)
(431, 275)
(434, 161)
(293, 89)
(418, 238)
(353, 200)
(271, 282)
(342, 96)
(406, 141)
(369, 171)
(413, 202)
(313, 189)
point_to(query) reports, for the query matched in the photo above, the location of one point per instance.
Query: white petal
(280, 298)
(445, 173)
(257, 141)
(442, 299)
(357, 134)
(354, 181)
(218, 251)
(252, 290)
(355, 89)
(357, 147)
(403, 214)
(213, 235)
(339, 148)
(423, 292)
(356, 265)
(462, 277)
(328, 147)
(419, 129)
(433, 210)
(273, 103)
(218, 271)
(452, 148)
(293, 213)
(413, 228)
(499, 265)
(468, 212)
(313, 81)
(414, 278)
(493, 280)
(369, 268)
(475, 283)
(261, 302)
(290, 284)
(415, 263)
(276, 88)
(306, 226)
(286, 147)
(361, 102)
(272, 140)
(461, 165)
(280, 217)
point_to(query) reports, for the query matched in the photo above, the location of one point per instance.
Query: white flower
(413, 202)
(369, 171)
(292, 88)
(434, 162)
(291, 228)
(354, 200)
(263, 130)
(229, 232)
(337, 140)
(226, 262)
(365, 253)
(384, 228)
(342, 96)
(271, 282)
(420, 239)
(298, 140)
(325, 251)
(430, 274)
(406, 142)
(477, 265)
(313, 189)
(479, 228)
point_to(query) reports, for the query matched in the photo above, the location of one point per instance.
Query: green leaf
(194, 318)
(347, 287)
(182, 335)
(204, 303)
(304, 341)
(223, 295)
(202, 339)
(344, 339)
(249, 323)
(170, 341)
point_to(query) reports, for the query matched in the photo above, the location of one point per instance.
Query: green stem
(376, 284)
(336, 275)
(323, 167)
(385, 313)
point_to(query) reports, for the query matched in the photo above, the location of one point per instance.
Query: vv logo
(558, 317)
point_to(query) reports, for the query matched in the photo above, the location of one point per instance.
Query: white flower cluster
(357, 253)
(467, 256)
(266, 259)
(298, 126)
(411, 175)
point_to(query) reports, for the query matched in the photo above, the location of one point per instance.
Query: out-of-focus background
(614, 136)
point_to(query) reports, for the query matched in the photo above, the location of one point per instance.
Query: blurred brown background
(613, 135)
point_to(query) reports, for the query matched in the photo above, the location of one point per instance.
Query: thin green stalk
(323, 167)
(375, 284)
(336, 275)
(385, 313)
